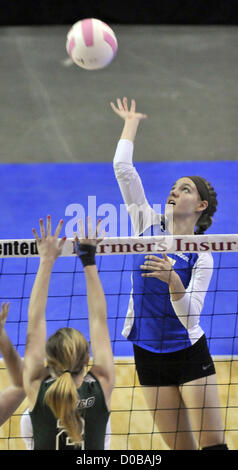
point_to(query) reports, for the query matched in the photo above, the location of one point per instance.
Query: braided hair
(207, 193)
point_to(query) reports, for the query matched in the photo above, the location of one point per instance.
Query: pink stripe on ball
(71, 45)
(110, 40)
(87, 29)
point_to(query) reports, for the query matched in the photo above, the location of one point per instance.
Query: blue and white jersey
(153, 321)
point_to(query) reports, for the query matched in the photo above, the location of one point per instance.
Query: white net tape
(133, 245)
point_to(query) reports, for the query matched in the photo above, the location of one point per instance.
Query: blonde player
(68, 409)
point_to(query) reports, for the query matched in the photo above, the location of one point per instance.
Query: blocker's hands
(89, 239)
(49, 246)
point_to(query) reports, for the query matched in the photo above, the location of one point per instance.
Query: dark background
(204, 12)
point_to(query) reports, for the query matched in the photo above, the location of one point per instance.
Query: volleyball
(91, 44)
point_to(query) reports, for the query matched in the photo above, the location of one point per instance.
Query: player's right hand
(49, 246)
(124, 112)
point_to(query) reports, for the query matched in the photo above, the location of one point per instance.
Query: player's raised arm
(103, 363)
(49, 248)
(12, 396)
(129, 181)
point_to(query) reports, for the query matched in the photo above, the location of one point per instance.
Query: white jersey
(154, 321)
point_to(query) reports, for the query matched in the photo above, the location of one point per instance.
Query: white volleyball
(91, 44)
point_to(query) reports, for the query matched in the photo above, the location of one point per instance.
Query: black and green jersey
(48, 433)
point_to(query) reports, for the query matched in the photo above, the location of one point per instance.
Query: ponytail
(67, 353)
(62, 398)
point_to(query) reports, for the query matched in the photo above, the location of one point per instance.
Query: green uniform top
(48, 433)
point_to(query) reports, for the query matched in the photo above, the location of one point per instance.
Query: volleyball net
(132, 424)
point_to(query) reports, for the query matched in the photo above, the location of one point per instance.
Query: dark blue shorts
(174, 368)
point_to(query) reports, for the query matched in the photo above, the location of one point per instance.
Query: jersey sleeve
(141, 213)
(189, 307)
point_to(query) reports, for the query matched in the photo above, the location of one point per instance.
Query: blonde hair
(67, 353)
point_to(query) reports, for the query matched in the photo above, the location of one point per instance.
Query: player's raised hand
(125, 112)
(91, 238)
(49, 246)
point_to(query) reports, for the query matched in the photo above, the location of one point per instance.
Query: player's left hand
(161, 267)
(91, 238)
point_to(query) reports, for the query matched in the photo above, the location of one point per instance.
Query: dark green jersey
(48, 433)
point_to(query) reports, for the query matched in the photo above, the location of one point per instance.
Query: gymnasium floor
(57, 141)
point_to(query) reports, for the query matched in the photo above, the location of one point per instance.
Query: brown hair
(206, 192)
(67, 353)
